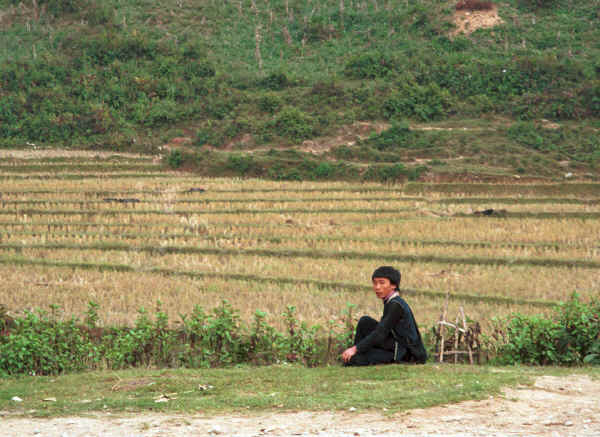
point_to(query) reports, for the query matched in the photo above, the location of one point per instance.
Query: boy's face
(383, 287)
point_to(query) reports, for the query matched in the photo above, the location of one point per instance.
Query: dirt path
(552, 407)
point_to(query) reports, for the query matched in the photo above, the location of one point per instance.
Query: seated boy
(396, 337)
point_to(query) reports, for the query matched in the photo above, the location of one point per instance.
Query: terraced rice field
(125, 232)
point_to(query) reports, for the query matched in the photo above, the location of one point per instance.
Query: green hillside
(315, 89)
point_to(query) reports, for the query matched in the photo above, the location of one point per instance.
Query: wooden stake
(456, 340)
(442, 328)
(464, 320)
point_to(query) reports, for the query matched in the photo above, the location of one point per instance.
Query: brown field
(281, 235)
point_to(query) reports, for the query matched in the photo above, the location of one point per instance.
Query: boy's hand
(348, 354)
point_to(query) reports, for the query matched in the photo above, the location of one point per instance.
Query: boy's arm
(391, 317)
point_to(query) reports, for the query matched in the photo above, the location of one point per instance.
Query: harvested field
(110, 231)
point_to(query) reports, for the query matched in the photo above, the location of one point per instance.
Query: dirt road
(552, 407)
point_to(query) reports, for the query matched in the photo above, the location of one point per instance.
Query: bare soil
(468, 22)
(553, 406)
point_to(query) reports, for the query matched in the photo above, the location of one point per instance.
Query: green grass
(274, 388)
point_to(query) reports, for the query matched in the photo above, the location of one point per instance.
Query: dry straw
(268, 244)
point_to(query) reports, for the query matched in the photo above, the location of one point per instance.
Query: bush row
(429, 87)
(114, 83)
(292, 165)
(40, 344)
(571, 336)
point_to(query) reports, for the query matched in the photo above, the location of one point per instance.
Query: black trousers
(382, 354)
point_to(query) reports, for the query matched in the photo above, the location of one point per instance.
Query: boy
(396, 337)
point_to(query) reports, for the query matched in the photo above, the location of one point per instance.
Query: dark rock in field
(121, 200)
(195, 190)
(491, 212)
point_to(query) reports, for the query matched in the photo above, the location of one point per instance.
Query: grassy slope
(133, 74)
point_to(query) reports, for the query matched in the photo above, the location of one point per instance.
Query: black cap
(387, 272)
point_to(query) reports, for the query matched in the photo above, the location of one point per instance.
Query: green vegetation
(41, 344)
(273, 388)
(134, 74)
(570, 336)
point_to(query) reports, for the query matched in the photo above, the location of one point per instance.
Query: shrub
(39, 344)
(330, 93)
(323, 170)
(370, 66)
(301, 343)
(590, 96)
(393, 137)
(194, 50)
(269, 103)
(219, 108)
(161, 112)
(175, 159)
(148, 342)
(99, 13)
(59, 7)
(426, 102)
(241, 164)
(531, 340)
(275, 81)
(474, 5)
(533, 4)
(108, 46)
(386, 173)
(198, 68)
(281, 173)
(294, 124)
(571, 336)
(204, 136)
(527, 134)
(579, 329)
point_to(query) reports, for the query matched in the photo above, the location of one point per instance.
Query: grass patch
(273, 388)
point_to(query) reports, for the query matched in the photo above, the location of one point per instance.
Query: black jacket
(397, 322)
